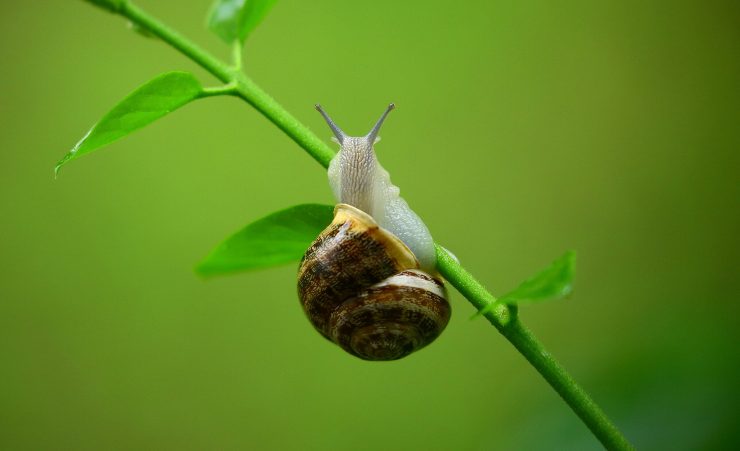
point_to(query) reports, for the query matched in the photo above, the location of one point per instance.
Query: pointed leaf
(146, 104)
(279, 238)
(554, 282)
(234, 20)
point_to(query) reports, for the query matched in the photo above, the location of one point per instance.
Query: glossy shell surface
(361, 288)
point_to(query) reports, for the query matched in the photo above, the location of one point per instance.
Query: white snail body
(357, 178)
(366, 283)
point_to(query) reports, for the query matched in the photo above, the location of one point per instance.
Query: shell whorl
(361, 288)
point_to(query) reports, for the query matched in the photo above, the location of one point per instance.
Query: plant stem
(464, 282)
(503, 317)
(225, 90)
(236, 55)
(245, 87)
(554, 373)
(209, 62)
(506, 320)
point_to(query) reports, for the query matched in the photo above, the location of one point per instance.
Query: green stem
(245, 87)
(500, 315)
(236, 55)
(225, 90)
(506, 320)
(554, 373)
(273, 111)
(209, 62)
(503, 317)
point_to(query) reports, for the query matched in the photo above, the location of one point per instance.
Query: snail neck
(358, 174)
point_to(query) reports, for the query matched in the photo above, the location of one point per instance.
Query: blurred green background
(522, 130)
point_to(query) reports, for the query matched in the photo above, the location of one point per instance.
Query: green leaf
(554, 282)
(149, 102)
(279, 238)
(234, 20)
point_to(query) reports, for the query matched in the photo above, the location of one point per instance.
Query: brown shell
(361, 287)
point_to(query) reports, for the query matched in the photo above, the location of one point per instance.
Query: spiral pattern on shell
(361, 288)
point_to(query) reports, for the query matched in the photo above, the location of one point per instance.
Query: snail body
(368, 282)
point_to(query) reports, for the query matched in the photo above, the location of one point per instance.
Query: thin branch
(464, 282)
(225, 90)
(209, 62)
(556, 375)
(246, 88)
(506, 320)
(237, 50)
(503, 317)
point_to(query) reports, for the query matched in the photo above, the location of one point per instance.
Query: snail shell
(361, 287)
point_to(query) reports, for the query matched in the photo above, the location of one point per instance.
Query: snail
(368, 282)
